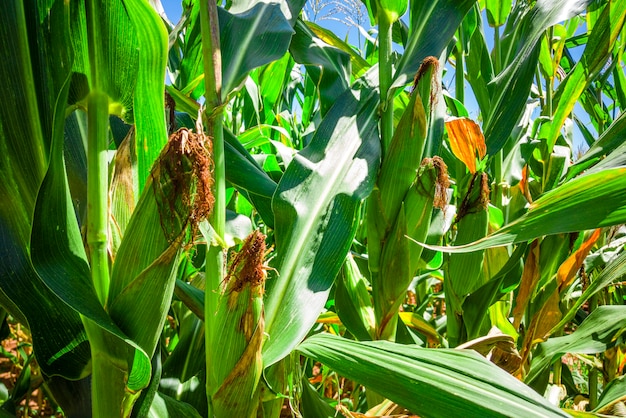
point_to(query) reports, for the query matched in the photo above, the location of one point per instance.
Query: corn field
(240, 214)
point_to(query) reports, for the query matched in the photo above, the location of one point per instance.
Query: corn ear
(400, 256)
(390, 286)
(402, 160)
(177, 196)
(376, 230)
(427, 83)
(464, 270)
(407, 145)
(234, 376)
(428, 192)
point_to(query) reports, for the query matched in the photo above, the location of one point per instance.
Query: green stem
(213, 117)
(593, 387)
(496, 50)
(593, 371)
(459, 76)
(109, 374)
(384, 77)
(542, 101)
(497, 174)
(97, 162)
(558, 365)
(549, 85)
(97, 191)
(549, 80)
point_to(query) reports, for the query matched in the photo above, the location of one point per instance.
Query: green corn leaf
(512, 85)
(290, 8)
(432, 27)
(252, 34)
(26, 131)
(272, 80)
(497, 11)
(353, 301)
(606, 145)
(184, 370)
(133, 34)
(192, 297)
(599, 48)
(244, 172)
(480, 69)
(251, 39)
(148, 102)
(590, 201)
(164, 406)
(359, 64)
(394, 8)
(601, 330)
(313, 405)
(434, 383)
(188, 74)
(328, 66)
(315, 208)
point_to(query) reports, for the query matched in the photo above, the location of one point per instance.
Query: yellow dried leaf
(568, 269)
(466, 141)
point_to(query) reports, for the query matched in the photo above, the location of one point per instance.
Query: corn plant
(192, 248)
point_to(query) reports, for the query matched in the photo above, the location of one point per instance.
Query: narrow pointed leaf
(359, 64)
(315, 210)
(605, 145)
(433, 383)
(613, 393)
